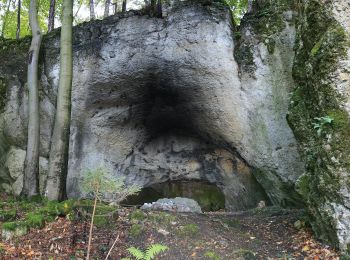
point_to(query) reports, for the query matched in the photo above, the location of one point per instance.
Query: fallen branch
(110, 250)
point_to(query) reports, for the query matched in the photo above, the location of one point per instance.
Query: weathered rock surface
(165, 99)
(175, 205)
(322, 72)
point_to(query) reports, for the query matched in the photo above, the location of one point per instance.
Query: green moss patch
(189, 230)
(20, 214)
(321, 44)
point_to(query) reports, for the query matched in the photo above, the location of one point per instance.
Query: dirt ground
(256, 234)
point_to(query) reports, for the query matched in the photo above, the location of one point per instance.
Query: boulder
(177, 204)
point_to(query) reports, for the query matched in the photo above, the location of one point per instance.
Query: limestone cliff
(193, 97)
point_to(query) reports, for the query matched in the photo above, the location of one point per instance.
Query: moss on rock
(322, 43)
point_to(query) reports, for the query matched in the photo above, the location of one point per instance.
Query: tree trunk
(92, 10)
(5, 18)
(31, 165)
(18, 31)
(153, 8)
(124, 6)
(250, 6)
(159, 9)
(56, 181)
(107, 4)
(115, 7)
(51, 24)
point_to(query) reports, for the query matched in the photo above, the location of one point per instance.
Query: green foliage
(36, 212)
(238, 8)
(35, 220)
(101, 184)
(212, 255)
(321, 123)
(8, 214)
(162, 218)
(188, 230)
(136, 230)
(137, 215)
(13, 225)
(150, 253)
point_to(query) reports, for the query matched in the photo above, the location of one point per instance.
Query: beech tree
(5, 18)
(58, 160)
(92, 10)
(107, 4)
(31, 165)
(124, 6)
(18, 19)
(51, 22)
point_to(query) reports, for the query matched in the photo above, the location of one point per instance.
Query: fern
(149, 254)
(137, 253)
(154, 250)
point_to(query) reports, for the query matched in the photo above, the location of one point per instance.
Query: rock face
(322, 72)
(171, 99)
(191, 97)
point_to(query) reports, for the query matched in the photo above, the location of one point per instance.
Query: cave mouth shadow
(209, 196)
(168, 109)
(180, 154)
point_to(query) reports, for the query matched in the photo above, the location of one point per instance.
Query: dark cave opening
(180, 155)
(209, 196)
(168, 110)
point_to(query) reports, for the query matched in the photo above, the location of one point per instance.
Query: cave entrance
(208, 195)
(179, 151)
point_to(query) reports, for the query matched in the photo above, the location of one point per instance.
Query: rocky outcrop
(169, 99)
(319, 116)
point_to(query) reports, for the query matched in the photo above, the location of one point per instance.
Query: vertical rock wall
(319, 115)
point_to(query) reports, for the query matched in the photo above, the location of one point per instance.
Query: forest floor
(268, 233)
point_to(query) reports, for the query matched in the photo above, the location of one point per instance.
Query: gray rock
(175, 205)
(15, 166)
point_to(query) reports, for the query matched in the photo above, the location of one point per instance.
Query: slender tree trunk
(153, 8)
(5, 18)
(76, 13)
(250, 6)
(51, 24)
(91, 227)
(18, 31)
(92, 10)
(107, 4)
(124, 6)
(115, 7)
(56, 181)
(31, 165)
(159, 9)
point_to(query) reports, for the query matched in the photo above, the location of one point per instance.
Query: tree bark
(92, 10)
(124, 6)
(250, 6)
(115, 7)
(18, 31)
(153, 8)
(31, 165)
(51, 24)
(5, 18)
(58, 161)
(107, 4)
(159, 9)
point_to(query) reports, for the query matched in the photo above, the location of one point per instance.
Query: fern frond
(154, 250)
(137, 253)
